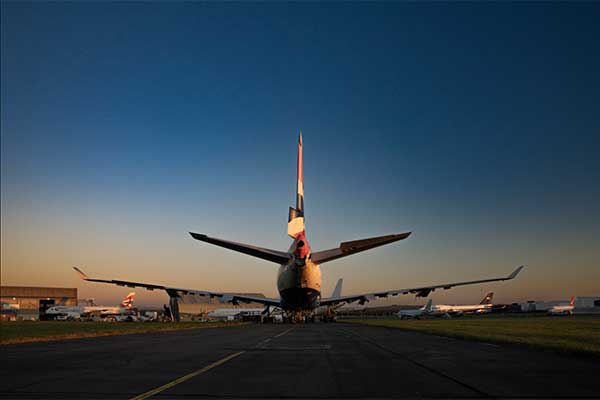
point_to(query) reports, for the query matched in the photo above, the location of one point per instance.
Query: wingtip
(516, 272)
(197, 236)
(81, 274)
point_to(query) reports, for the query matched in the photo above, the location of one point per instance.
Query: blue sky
(476, 126)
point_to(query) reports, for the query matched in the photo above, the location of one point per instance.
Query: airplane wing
(275, 256)
(355, 246)
(178, 292)
(422, 291)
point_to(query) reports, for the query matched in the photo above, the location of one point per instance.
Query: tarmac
(291, 361)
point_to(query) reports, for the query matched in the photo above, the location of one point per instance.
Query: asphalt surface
(284, 361)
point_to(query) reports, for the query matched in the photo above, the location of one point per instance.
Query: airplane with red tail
(299, 275)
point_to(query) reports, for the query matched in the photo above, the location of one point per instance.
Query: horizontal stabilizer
(275, 256)
(355, 246)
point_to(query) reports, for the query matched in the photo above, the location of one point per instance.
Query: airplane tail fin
(128, 300)
(296, 215)
(572, 300)
(429, 305)
(488, 298)
(337, 292)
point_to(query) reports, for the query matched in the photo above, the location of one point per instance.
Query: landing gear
(309, 319)
(328, 315)
(298, 317)
(292, 318)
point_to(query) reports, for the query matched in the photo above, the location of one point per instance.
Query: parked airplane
(483, 307)
(416, 314)
(564, 309)
(233, 313)
(76, 312)
(299, 275)
(327, 313)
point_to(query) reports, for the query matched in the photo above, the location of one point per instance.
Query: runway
(303, 361)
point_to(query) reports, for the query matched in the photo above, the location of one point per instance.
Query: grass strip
(579, 334)
(38, 331)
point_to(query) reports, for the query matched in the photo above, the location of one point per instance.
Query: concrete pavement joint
(419, 364)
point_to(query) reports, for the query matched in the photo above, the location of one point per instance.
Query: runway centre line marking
(489, 344)
(188, 376)
(262, 344)
(203, 370)
(284, 332)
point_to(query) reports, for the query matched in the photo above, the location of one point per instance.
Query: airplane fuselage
(561, 310)
(410, 313)
(476, 308)
(299, 277)
(299, 285)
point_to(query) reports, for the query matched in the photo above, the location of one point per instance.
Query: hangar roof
(36, 291)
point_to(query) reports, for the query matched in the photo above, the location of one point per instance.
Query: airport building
(31, 302)
(587, 302)
(583, 304)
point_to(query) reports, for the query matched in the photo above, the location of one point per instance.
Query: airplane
(233, 313)
(564, 309)
(327, 313)
(484, 306)
(427, 309)
(299, 274)
(76, 312)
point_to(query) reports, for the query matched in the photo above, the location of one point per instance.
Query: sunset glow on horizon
(436, 119)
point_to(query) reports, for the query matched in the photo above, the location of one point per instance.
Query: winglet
(515, 272)
(82, 275)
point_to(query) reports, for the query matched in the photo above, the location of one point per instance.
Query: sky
(474, 125)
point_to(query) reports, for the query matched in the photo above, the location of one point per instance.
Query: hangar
(31, 302)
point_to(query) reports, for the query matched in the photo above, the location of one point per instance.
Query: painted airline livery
(563, 310)
(443, 310)
(76, 312)
(299, 275)
(419, 312)
(484, 306)
(232, 313)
